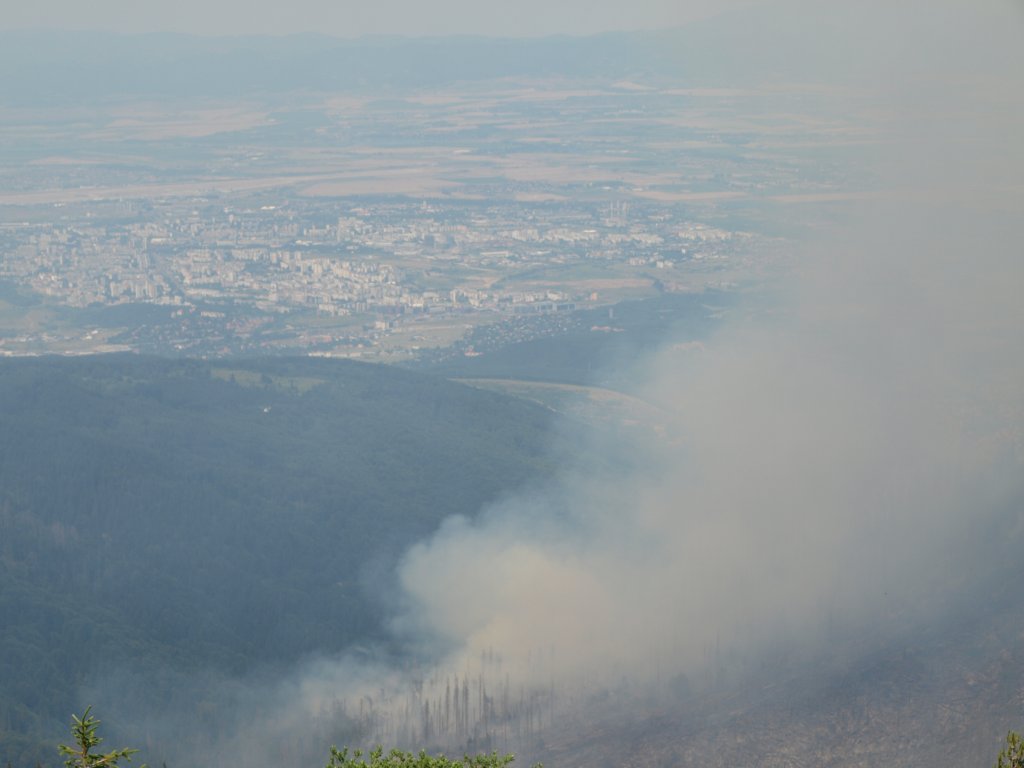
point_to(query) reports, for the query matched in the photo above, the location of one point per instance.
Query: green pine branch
(86, 738)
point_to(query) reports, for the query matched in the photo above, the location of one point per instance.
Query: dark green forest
(191, 515)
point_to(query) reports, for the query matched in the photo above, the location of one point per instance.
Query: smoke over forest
(838, 468)
(841, 464)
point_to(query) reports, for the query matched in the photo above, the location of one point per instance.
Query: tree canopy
(396, 758)
(86, 739)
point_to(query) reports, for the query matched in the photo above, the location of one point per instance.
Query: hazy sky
(352, 18)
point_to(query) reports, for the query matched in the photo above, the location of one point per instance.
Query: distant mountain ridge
(741, 47)
(735, 48)
(55, 66)
(58, 66)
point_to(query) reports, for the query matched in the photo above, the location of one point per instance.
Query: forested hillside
(219, 514)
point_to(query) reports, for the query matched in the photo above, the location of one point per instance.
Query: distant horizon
(312, 34)
(390, 18)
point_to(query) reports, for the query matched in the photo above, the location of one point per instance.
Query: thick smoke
(842, 461)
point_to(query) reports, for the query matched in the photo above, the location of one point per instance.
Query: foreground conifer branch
(83, 730)
(1012, 755)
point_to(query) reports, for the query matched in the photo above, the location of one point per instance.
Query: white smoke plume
(844, 460)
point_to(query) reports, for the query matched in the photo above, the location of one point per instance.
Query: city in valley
(387, 228)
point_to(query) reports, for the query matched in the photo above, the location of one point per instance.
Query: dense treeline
(225, 515)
